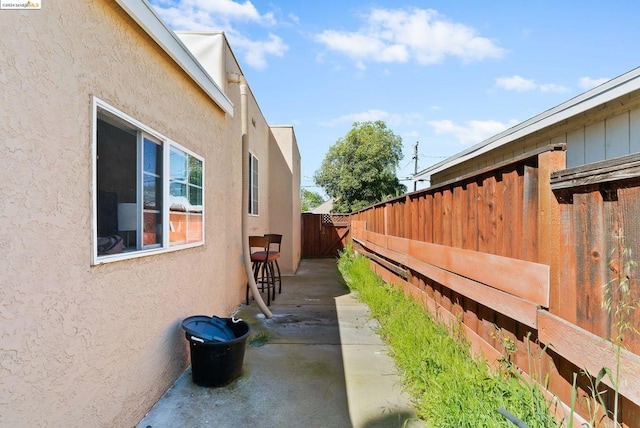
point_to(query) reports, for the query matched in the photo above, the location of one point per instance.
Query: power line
(415, 165)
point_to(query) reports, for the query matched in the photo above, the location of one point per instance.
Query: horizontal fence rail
(523, 251)
(458, 268)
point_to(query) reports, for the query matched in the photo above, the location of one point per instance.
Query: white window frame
(254, 185)
(143, 130)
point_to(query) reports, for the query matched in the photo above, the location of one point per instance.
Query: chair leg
(279, 278)
(258, 275)
(272, 280)
(265, 278)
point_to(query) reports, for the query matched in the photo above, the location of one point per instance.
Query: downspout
(246, 251)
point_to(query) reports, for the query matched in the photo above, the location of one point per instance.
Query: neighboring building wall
(86, 345)
(284, 195)
(275, 147)
(258, 134)
(605, 132)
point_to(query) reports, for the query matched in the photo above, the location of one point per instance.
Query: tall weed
(450, 388)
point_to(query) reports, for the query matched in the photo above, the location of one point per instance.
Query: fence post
(385, 211)
(549, 225)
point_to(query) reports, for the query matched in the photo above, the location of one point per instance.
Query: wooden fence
(521, 253)
(324, 235)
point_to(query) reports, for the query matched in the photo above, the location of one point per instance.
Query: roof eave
(606, 92)
(155, 27)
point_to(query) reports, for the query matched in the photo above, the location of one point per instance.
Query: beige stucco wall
(275, 148)
(604, 132)
(84, 345)
(284, 195)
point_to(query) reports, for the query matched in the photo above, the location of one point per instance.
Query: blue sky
(447, 74)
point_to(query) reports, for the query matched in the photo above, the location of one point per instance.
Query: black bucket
(216, 360)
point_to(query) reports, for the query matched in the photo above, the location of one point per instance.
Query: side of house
(121, 215)
(284, 194)
(274, 158)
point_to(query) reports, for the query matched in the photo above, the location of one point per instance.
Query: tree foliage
(309, 200)
(360, 168)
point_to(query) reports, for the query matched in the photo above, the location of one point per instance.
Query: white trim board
(148, 19)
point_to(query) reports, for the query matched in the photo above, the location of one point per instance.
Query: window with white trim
(253, 185)
(149, 190)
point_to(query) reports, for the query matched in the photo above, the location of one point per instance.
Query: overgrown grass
(449, 387)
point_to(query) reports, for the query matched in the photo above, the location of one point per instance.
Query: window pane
(178, 197)
(253, 185)
(177, 228)
(194, 232)
(186, 199)
(152, 157)
(195, 171)
(178, 189)
(152, 192)
(195, 198)
(250, 190)
(117, 172)
(152, 232)
(178, 165)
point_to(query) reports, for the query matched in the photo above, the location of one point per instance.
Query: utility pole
(415, 165)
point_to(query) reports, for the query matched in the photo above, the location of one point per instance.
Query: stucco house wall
(600, 124)
(275, 147)
(83, 344)
(284, 195)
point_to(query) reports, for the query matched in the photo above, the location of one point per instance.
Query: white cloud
(472, 132)
(363, 46)
(520, 84)
(400, 35)
(294, 18)
(255, 51)
(552, 87)
(589, 82)
(203, 14)
(515, 83)
(392, 119)
(223, 15)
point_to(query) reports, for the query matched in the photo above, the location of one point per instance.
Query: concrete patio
(322, 365)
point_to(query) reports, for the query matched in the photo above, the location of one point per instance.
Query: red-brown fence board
(474, 246)
(323, 238)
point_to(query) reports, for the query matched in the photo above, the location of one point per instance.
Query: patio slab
(322, 365)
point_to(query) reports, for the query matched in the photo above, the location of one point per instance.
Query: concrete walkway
(322, 365)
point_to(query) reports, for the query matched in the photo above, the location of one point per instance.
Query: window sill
(129, 255)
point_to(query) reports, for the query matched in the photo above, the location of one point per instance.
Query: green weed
(449, 387)
(259, 339)
(619, 302)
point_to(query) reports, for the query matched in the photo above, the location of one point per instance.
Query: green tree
(360, 168)
(309, 200)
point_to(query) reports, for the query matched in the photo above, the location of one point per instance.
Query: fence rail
(523, 250)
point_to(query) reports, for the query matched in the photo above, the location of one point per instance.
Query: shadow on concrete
(316, 363)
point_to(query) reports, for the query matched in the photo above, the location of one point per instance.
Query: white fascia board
(604, 93)
(148, 19)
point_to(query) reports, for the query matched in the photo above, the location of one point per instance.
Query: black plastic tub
(215, 360)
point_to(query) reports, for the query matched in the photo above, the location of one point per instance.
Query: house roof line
(155, 27)
(601, 94)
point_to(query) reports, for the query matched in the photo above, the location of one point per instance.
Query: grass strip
(449, 387)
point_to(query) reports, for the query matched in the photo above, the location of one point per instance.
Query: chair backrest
(275, 240)
(260, 242)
